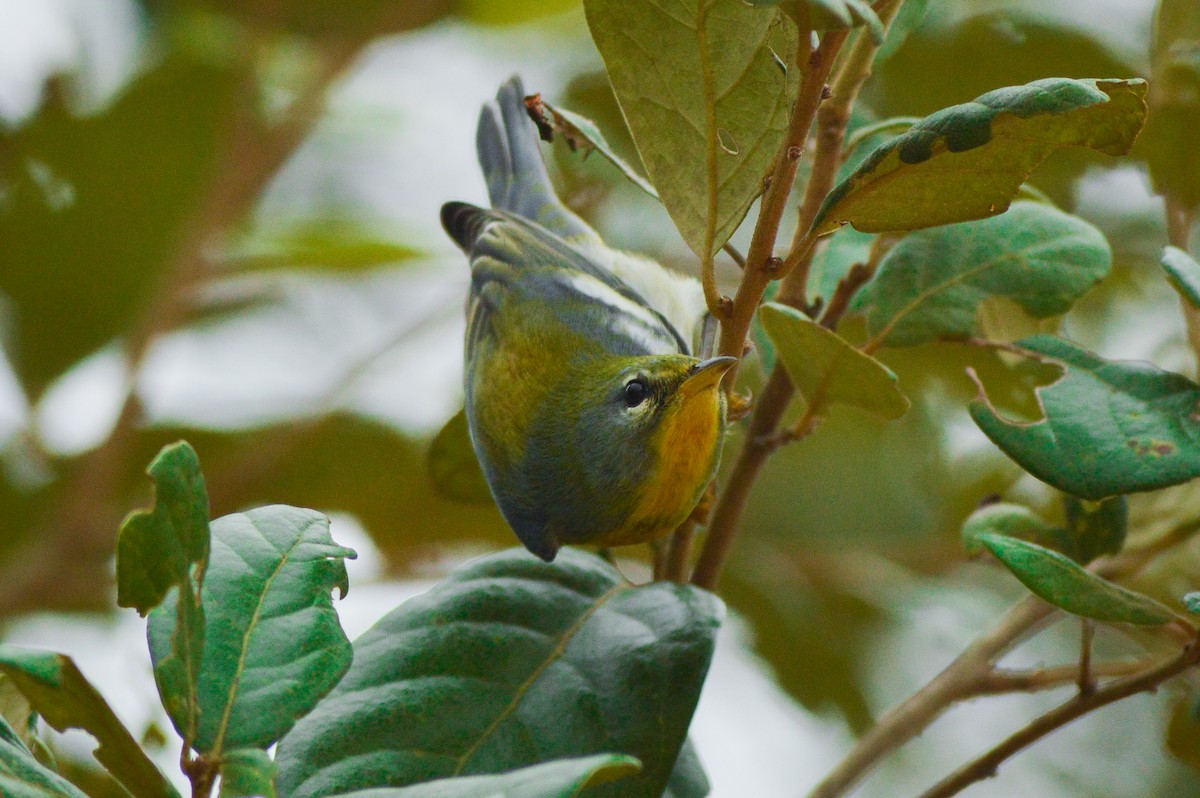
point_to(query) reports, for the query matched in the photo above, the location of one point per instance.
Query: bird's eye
(635, 393)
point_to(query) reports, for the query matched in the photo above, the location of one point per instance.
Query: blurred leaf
(688, 779)
(1183, 272)
(79, 275)
(488, 12)
(318, 18)
(1192, 602)
(1098, 528)
(1183, 732)
(453, 466)
(976, 155)
(910, 16)
(831, 14)
(331, 243)
(507, 650)
(1014, 521)
(705, 99)
(22, 776)
(562, 778)
(17, 711)
(61, 695)
(932, 283)
(1110, 426)
(581, 132)
(157, 548)
(1066, 585)
(274, 645)
(247, 773)
(826, 369)
(1169, 140)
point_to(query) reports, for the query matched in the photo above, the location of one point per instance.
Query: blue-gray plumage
(590, 418)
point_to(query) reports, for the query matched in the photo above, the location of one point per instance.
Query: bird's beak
(707, 373)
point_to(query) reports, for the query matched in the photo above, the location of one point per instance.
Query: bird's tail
(507, 143)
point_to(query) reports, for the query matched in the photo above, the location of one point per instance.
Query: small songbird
(591, 419)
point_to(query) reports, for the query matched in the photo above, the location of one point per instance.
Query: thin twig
(1003, 680)
(986, 765)
(1180, 219)
(1086, 675)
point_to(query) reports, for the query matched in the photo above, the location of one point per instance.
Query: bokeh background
(218, 221)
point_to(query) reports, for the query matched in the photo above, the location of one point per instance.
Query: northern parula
(591, 419)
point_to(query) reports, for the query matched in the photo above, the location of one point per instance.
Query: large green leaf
(158, 548)
(705, 99)
(22, 776)
(1110, 427)
(563, 778)
(932, 283)
(1065, 584)
(453, 466)
(968, 161)
(508, 663)
(1184, 274)
(826, 369)
(167, 547)
(61, 695)
(274, 645)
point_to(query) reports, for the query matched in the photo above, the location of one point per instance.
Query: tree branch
(986, 765)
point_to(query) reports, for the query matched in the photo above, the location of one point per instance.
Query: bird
(591, 419)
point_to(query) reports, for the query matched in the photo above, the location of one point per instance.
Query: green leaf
(932, 284)
(563, 778)
(274, 645)
(688, 779)
(582, 133)
(324, 242)
(1014, 521)
(1110, 426)
(832, 14)
(22, 776)
(508, 663)
(910, 16)
(1183, 272)
(157, 548)
(167, 547)
(705, 99)
(247, 773)
(968, 161)
(841, 251)
(1192, 602)
(826, 369)
(453, 466)
(1098, 528)
(61, 695)
(1065, 584)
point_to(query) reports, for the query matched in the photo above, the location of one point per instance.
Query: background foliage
(218, 222)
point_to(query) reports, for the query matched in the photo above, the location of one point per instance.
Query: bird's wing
(510, 254)
(507, 146)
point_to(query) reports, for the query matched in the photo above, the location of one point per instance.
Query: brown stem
(1003, 680)
(1086, 678)
(1179, 230)
(986, 765)
(961, 677)
(761, 269)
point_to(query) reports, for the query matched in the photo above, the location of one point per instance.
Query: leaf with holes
(826, 369)
(706, 101)
(1183, 272)
(453, 467)
(932, 284)
(60, 694)
(22, 776)
(508, 663)
(1110, 426)
(968, 161)
(274, 645)
(1067, 585)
